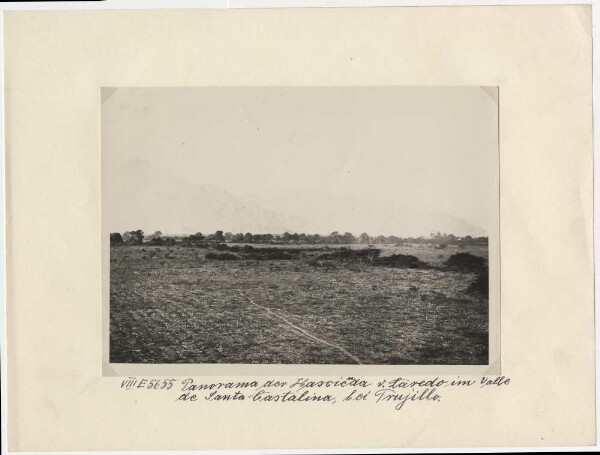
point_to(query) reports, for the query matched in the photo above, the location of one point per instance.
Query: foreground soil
(175, 305)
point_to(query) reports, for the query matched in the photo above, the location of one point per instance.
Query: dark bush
(116, 238)
(200, 245)
(465, 262)
(481, 285)
(269, 254)
(402, 261)
(197, 237)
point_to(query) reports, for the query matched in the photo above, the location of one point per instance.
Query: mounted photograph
(301, 226)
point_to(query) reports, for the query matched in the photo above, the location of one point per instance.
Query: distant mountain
(324, 213)
(142, 196)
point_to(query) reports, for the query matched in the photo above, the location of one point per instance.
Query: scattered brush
(401, 261)
(238, 248)
(349, 255)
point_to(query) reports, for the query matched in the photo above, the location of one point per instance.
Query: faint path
(302, 331)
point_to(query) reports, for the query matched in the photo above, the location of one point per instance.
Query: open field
(294, 305)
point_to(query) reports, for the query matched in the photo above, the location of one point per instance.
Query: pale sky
(403, 148)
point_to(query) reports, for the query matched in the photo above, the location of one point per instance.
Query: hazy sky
(426, 147)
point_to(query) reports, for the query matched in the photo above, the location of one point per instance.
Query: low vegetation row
(327, 257)
(458, 262)
(438, 240)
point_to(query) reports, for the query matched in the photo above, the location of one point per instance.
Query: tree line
(137, 237)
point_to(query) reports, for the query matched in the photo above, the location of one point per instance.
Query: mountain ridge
(142, 196)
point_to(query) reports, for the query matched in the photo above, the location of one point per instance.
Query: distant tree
(380, 239)
(197, 237)
(334, 237)
(348, 238)
(228, 236)
(136, 237)
(364, 238)
(238, 238)
(116, 238)
(287, 237)
(248, 238)
(218, 236)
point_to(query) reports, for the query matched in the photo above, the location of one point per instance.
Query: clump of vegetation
(133, 237)
(197, 237)
(222, 256)
(116, 238)
(269, 254)
(350, 255)
(465, 262)
(401, 261)
(244, 249)
(481, 286)
(469, 263)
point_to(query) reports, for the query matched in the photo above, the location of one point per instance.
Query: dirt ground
(173, 305)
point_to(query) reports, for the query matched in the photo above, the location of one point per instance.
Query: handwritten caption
(397, 392)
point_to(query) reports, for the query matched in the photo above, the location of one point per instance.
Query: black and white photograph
(300, 225)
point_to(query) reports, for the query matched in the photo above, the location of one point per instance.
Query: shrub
(401, 261)
(116, 238)
(197, 237)
(465, 262)
(269, 254)
(481, 285)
